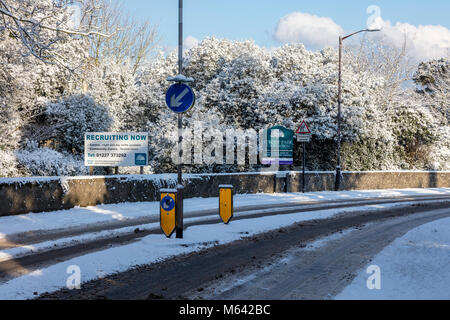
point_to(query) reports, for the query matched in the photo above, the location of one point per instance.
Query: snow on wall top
(173, 176)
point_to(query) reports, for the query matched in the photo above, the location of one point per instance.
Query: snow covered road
(148, 248)
(414, 266)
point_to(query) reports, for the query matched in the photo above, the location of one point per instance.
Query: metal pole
(180, 36)
(304, 162)
(179, 231)
(337, 185)
(338, 166)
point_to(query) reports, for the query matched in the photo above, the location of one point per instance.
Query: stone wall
(24, 195)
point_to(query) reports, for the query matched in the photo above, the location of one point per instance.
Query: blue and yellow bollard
(167, 211)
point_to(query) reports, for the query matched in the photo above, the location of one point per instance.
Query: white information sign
(114, 149)
(303, 138)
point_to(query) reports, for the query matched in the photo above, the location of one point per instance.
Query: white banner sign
(114, 149)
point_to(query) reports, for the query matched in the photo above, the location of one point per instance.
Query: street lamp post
(338, 166)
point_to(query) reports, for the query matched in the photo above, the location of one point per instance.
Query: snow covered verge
(154, 248)
(65, 219)
(414, 266)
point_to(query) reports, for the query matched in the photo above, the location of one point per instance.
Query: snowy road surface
(151, 248)
(414, 266)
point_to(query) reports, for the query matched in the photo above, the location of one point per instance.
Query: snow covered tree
(433, 80)
(240, 85)
(45, 56)
(434, 75)
(70, 118)
(40, 25)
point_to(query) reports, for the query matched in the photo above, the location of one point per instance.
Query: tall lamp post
(338, 166)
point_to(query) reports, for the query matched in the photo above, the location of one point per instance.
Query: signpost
(114, 149)
(180, 98)
(278, 146)
(303, 136)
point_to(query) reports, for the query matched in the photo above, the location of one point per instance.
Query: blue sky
(258, 19)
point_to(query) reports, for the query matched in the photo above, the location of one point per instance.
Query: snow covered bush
(439, 152)
(71, 117)
(8, 164)
(434, 75)
(47, 162)
(414, 129)
(433, 80)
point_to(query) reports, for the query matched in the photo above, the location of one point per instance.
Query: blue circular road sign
(167, 203)
(180, 97)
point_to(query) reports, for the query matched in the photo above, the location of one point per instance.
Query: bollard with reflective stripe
(226, 202)
(167, 211)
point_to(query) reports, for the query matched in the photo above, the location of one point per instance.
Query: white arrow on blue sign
(180, 97)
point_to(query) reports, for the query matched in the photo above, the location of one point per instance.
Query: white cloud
(313, 31)
(422, 42)
(190, 42)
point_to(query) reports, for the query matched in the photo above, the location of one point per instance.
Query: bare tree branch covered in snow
(392, 64)
(39, 25)
(133, 42)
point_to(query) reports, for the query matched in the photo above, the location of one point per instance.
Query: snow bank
(415, 266)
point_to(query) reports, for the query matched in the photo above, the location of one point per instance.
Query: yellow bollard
(226, 202)
(167, 211)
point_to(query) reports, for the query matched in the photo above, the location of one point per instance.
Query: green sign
(277, 145)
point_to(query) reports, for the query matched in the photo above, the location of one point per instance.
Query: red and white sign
(303, 133)
(303, 129)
